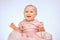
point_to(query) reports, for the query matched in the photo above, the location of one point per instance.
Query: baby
(29, 28)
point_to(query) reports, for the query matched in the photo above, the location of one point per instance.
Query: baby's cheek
(33, 16)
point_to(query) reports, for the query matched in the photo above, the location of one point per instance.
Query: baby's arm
(12, 25)
(44, 35)
(41, 27)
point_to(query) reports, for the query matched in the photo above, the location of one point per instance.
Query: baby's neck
(29, 20)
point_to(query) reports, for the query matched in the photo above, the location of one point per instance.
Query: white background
(12, 11)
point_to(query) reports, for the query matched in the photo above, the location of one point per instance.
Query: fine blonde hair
(31, 6)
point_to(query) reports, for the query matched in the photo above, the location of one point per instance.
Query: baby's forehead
(31, 6)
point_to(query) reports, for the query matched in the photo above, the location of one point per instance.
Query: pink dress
(29, 32)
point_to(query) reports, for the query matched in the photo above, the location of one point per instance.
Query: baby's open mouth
(28, 16)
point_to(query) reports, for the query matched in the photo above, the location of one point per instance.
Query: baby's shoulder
(38, 22)
(21, 22)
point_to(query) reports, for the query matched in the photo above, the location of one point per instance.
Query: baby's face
(30, 13)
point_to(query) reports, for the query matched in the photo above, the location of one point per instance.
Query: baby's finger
(12, 24)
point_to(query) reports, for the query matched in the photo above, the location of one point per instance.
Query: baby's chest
(30, 26)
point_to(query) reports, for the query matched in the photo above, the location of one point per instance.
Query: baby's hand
(12, 25)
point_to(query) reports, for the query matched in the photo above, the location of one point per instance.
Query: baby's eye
(26, 11)
(31, 11)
